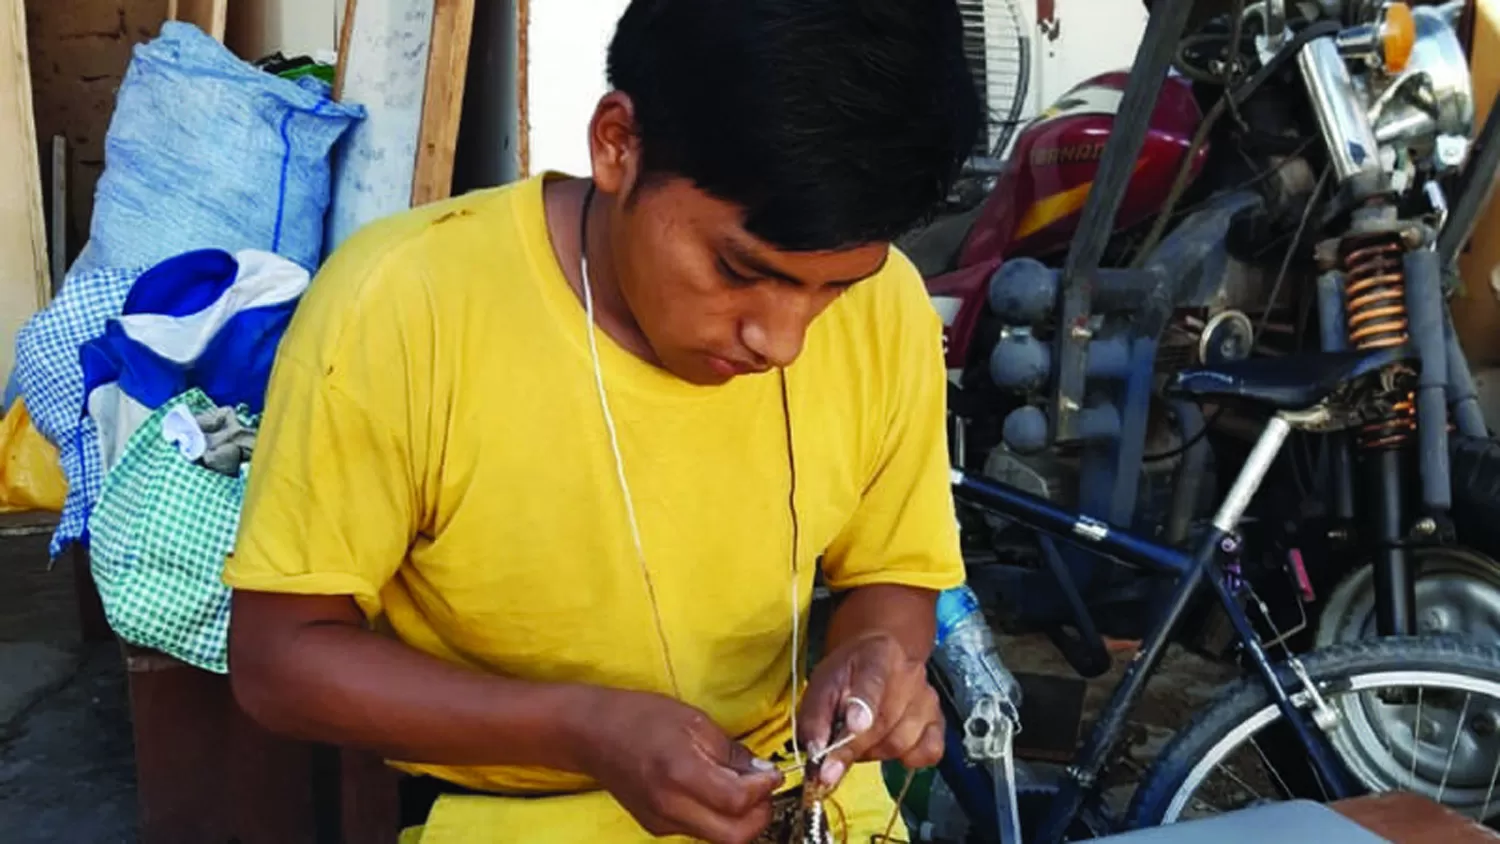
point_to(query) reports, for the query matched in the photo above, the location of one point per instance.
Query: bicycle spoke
(1458, 732)
(1489, 795)
(1285, 789)
(1245, 785)
(1416, 740)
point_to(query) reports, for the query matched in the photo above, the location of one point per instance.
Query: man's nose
(776, 334)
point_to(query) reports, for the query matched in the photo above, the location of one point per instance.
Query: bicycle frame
(1191, 570)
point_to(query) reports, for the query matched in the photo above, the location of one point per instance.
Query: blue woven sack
(207, 151)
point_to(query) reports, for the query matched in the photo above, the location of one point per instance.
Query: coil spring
(1376, 303)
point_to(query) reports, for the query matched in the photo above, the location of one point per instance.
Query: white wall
(568, 41)
(295, 27)
(565, 77)
(1089, 37)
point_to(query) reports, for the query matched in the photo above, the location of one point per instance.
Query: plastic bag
(30, 476)
(206, 151)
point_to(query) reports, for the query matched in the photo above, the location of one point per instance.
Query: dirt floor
(66, 773)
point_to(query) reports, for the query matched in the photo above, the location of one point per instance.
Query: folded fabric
(160, 533)
(228, 442)
(204, 319)
(51, 379)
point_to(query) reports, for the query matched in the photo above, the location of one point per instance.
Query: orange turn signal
(1397, 36)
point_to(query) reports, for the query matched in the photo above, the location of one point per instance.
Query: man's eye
(736, 278)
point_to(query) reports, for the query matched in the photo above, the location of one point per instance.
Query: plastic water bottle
(966, 654)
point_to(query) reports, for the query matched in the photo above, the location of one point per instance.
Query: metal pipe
(1091, 534)
(1463, 395)
(1347, 134)
(1395, 591)
(1082, 777)
(1254, 472)
(1475, 186)
(1424, 307)
(1191, 425)
(1334, 333)
(1148, 73)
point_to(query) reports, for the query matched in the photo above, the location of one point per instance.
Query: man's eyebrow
(752, 263)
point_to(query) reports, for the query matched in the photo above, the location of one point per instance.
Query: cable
(1192, 441)
(791, 459)
(614, 439)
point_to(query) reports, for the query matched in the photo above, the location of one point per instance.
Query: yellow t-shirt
(433, 445)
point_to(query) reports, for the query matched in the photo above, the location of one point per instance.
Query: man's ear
(614, 145)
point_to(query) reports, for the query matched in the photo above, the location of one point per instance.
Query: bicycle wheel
(1414, 714)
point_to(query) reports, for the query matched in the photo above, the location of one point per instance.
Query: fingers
(731, 783)
(676, 813)
(915, 737)
(826, 690)
(705, 800)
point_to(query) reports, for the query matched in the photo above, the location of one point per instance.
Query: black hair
(833, 123)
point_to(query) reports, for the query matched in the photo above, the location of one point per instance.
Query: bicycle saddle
(1297, 382)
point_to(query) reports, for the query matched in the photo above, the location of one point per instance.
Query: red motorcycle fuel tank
(1038, 199)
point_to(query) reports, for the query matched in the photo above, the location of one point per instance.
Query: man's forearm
(904, 612)
(338, 683)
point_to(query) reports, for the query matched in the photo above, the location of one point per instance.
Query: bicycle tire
(1247, 697)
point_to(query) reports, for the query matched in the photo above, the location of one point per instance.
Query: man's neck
(565, 202)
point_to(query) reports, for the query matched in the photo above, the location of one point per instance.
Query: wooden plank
(385, 70)
(1476, 316)
(24, 283)
(1405, 818)
(523, 81)
(442, 104)
(211, 16)
(346, 34)
(59, 253)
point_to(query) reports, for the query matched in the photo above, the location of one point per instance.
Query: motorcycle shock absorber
(1377, 317)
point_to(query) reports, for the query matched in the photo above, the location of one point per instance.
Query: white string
(614, 444)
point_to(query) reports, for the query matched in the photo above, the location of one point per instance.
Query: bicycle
(1325, 393)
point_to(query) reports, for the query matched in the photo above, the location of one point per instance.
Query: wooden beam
(523, 83)
(24, 283)
(346, 37)
(442, 104)
(211, 16)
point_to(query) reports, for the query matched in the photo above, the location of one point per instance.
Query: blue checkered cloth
(51, 381)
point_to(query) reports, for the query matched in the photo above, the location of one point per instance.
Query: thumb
(820, 708)
(742, 761)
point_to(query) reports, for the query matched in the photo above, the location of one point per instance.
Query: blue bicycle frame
(1191, 571)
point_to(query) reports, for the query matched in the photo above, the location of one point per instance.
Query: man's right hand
(673, 769)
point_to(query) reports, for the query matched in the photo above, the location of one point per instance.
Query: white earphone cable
(614, 444)
(635, 531)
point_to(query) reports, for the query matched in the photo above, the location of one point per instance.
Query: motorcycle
(1276, 179)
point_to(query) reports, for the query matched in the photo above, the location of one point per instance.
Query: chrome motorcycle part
(1347, 134)
(1229, 336)
(1432, 97)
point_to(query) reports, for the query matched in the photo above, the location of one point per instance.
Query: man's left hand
(903, 720)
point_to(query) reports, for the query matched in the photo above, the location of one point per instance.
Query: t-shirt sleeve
(904, 530)
(333, 498)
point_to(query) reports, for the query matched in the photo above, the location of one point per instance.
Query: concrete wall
(79, 51)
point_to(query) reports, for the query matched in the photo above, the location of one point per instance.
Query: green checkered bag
(159, 535)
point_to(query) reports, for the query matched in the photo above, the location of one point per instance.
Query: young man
(547, 471)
